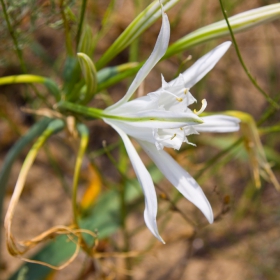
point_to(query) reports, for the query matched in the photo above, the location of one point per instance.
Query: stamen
(186, 90)
(173, 136)
(204, 105)
(177, 98)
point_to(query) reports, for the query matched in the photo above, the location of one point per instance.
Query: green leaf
(86, 44)
(89, 73)
(71, 74)
(111, 75)
(238, 23)
(144, 20)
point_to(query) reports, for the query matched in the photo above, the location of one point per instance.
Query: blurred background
(243, 243)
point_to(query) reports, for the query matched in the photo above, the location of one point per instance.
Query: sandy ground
(243, 244)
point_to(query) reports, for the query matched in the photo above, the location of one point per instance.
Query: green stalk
(81, 22)
(254, 82)
(68, 39)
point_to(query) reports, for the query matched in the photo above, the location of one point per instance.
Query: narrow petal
(202, 66)
(157, 118)
(218, 123)
(157, 53)
(146, 183)
(143, 133)
(180, 179)
(138, 104)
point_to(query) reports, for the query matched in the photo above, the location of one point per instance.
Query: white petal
(143, 133)
(157, 53)
(202, 66)
(157, 118)
(180, 179)
(146, 183)
(135, 105)
(218, 123)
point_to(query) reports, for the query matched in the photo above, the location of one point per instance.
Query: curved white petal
(157, 118)
(157, 53)
(180, 179)
(202, 66)
(135, 105)
(146, 183)
(143, 133)
(218, 123)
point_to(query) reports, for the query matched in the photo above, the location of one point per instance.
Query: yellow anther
(181, 128)
(179, 99)
(186, 90)
(173, 136)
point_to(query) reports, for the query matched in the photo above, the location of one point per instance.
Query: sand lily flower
(163, 119)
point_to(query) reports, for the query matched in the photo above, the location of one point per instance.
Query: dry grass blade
(18, 248)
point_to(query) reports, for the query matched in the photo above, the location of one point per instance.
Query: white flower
(163, 119)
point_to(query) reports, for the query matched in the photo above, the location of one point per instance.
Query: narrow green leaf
(135, 29)
(89, 73)
(86, 44)
(238, 23)
(71, 74)
(111, 75)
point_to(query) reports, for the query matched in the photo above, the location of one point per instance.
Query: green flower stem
(81, 21)
(254, 82)
(13, 35)
(68, 39)
(97, 113)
